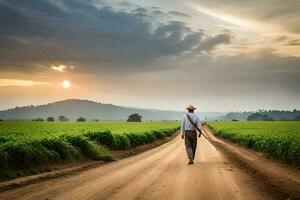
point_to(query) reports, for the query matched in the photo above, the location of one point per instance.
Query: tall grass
(279, 140)
(32, 147)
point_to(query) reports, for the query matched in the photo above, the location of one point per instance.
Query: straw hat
(191, 107)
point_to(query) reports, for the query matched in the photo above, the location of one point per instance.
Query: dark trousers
(190, 140)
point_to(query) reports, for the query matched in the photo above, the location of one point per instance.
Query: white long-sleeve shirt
(186, 124)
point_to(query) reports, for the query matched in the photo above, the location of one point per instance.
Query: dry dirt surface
(160, 173)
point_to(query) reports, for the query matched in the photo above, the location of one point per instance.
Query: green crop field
(27, 147)
(279, 140)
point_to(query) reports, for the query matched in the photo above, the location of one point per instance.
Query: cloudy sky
(220, 55)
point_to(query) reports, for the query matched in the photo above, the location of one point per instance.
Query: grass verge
(28, 152)
(279, 140)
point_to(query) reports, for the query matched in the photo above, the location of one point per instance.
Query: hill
(75, 108)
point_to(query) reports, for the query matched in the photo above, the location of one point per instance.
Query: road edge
(32, 179)
(282, 179)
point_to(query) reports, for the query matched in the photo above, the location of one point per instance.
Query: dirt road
(161, 173)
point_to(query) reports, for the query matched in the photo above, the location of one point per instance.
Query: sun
(66, 84)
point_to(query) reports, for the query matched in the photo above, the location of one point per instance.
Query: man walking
(190, 124)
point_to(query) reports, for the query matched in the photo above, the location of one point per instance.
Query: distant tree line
(38, 120)
(50, 119)
(264, 115)
(132, 118)
(81, 119)
(259, 117)
(62, 119)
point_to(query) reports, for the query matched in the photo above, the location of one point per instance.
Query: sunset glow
(59, 68)
(66, 84)
(226, 18)
(17, 82)
(239, 54)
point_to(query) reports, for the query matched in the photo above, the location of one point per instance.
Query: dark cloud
(179, 14)
(125, 4)
(287, 40)
(295, 42)
(209, 43)
(39, 33)
(280, 38)
(140, 10)
(158, 13)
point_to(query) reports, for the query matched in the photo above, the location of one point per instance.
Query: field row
(26, 146)
(279, 140)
